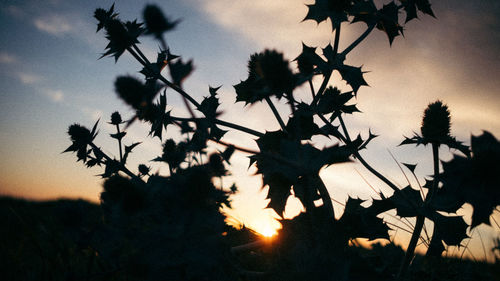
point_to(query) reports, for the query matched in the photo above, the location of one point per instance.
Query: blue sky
(51, 77)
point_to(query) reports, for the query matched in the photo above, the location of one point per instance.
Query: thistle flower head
(79, 134)
(116, 118)
(436, 122)
(130, 90)
(273, 69)
(156, 22)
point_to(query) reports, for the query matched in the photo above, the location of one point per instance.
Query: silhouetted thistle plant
(176, 219)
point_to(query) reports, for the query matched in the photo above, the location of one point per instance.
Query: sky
(51, 77)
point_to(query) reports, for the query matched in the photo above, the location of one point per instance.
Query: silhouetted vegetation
(158, 227)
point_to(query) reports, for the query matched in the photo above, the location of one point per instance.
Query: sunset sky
(51, 78)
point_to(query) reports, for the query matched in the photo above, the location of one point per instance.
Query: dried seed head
(436, 122)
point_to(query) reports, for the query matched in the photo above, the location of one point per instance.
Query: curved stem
(325, 197)
(276, 113)
(420, 218)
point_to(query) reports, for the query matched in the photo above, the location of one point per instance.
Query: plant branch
(119, 143)
(120, 165)
(311, 86)
(325, 196)
(223, 123)
(357, 41)
(276, 113)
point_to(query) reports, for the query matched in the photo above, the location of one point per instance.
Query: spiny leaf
(407, 202)
(209, 106)
(213, 91)
(388, 21)
(119, 135)
(301, 125)
(410, 167)
(353, 76)
(359, 221)
(411, 7)
(279, 191)
(364, 11)
(321, 10)
(371, 136)
(180, 70)
(227, 153)
(128, 150)
(308, 60)
(452, 230)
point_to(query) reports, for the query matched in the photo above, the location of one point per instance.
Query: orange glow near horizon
(268, 232)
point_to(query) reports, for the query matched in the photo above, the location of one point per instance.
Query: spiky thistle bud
(436, 122)
(116, 118)
(79, 134)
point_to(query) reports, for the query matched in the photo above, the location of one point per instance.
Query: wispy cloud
(28, 78)
(53, 24)
(274, 24)
(14, 11)
(55, 95)
(6, 58)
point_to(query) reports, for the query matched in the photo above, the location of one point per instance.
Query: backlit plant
(170, 227)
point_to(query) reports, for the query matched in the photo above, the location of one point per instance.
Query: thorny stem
(119, 142)
(276, 113)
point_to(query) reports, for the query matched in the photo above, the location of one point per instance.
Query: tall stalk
(410, 251)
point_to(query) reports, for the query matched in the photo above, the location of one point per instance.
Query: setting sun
(266, 228)
(267, 232)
